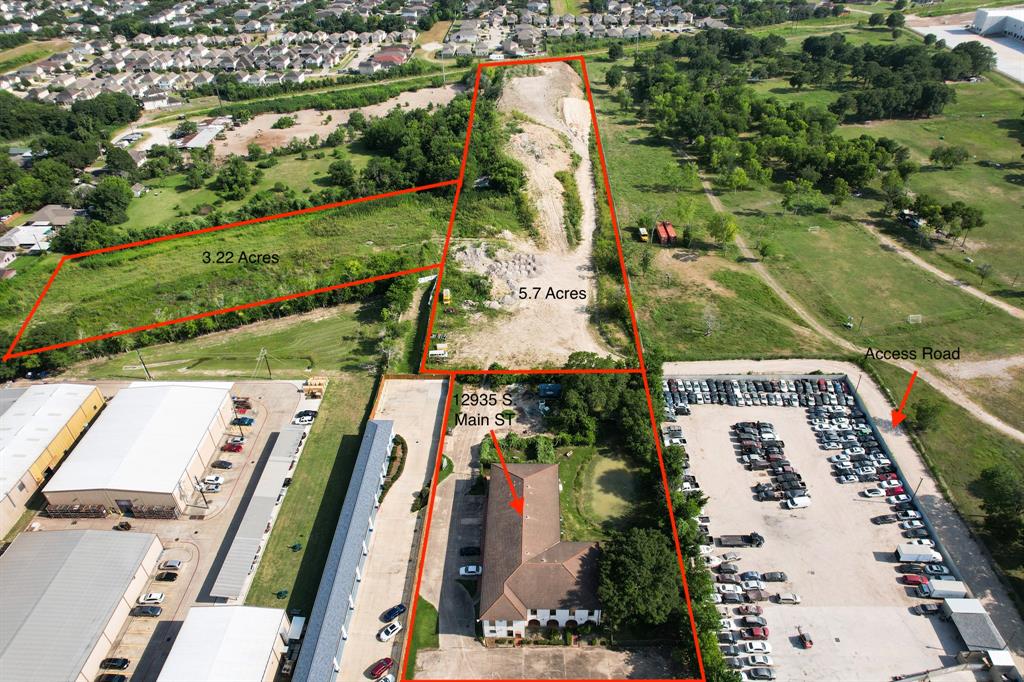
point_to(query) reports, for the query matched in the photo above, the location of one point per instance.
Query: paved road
(940, 383)
(970, 556)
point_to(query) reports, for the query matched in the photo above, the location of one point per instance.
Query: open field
(686, 287)
(956, 6)
(32, 51)
(310, 511)
(170, 279)
(342, 338)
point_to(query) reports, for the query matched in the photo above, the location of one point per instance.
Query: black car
(903, 506)
(221, 464)
(884, 518)
(792, 485)
(112, 677)
(469, 551)
(114, 664)
(730, 637)
(147, 611)
(392, 613)
(916, 533)
(774, 577)
(767, 496)
(927, 609)
(762, 487)
(733, 598)
(166, 577)
(728, 568)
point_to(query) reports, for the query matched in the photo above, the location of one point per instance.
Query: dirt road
(538, 330)
(940, 383)
(969, 555)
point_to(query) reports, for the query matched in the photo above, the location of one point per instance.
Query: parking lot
(851, 601)
(199, 542)
(416, 406)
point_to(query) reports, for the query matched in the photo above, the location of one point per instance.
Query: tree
(341, 173)
(927, 414)
(722, 227)
(893, 189)
(121, 162)
(737, 179)
(194, 177)
(982, 58)
(615, 52)
(646, 260)
(876, 19)
(108, 203)
(636, 583)
(614, 77)
(767, 249)
(840, 192)
(895, 20)
(949, 156)
(235, 178)
(185, 128)
(283, 122)
(1003, 503)
(254, 152)
(56, 177)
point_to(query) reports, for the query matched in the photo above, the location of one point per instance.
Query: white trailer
(943, 589)
(910, 552)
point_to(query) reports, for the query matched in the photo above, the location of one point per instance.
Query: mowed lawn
(309, 513)
(342, 338)
(685, 291)
(424, 634)
(170, 279)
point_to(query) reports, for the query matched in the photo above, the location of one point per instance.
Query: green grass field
(170, 279)
(32, 51)
(309, 513)
(342, 338)
(612, 489)
(424, 634)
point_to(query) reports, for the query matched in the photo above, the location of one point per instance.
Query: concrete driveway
(416, 406)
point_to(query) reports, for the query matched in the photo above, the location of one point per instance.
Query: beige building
(148, 448)
(66, 594)
(228, 644)
(38, 426)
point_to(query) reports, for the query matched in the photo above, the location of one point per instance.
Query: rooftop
(59, 591)
(144, 440)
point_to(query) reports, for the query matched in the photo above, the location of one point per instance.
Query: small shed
(664, 233)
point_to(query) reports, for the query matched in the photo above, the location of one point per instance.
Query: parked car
(896, 499)
(236, 440)
(787, 598)
(916, 533)
(915, 579)
(805, 638)
(884, 518)
(775, 577)
(243, 421)
(750, 575)
(382, 666)
(216, 479)
(728, 568)
(147, 611)
(908, 515)
(927, 609)
(469, 551)
(873, 492)
(760, 660)
(392, 613)
(166, 577)
(231, 447)
(757, 647)
(172, 565)
(211, 487)
(753, 621)
(936, 569)
(114, 664)
(755, 633)
(151, 598)
(471, 571)
(221, 464)
(911, 525)
(112, 677)
(389, 631)
(847, 478)
(727, 579)
(727, 589)
(758, 674)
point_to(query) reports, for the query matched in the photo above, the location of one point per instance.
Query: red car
(750, 610)
(755, 633)
(231, 447)
(914, 579)
(381, 667)
(886, 477)
(898, 490)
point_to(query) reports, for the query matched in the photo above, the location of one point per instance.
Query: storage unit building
(66, 595)
(147, 449)
(227, 644)
(38, 425)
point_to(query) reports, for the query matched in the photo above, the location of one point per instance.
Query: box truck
(943, 589)
(909, 552)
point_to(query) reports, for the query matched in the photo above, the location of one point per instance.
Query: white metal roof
(143, 441)
(223, 644)
(31, 422)
(59, 590)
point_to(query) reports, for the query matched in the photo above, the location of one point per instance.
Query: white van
(801, 502)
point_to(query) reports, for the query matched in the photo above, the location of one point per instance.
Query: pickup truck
(751, 540)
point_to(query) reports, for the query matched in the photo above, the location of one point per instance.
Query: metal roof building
(974, 624)
(147, 448)
(38, 425)
(336, 597)
(65, 596)
(241, 557)
(227, 644)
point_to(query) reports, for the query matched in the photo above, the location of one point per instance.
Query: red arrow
(517, 502)
(897, 415)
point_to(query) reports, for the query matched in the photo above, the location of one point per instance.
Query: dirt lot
(558, 122)
(307, 122)
(201, 544)
(416, 406)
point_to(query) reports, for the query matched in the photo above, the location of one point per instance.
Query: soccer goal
(915, 319)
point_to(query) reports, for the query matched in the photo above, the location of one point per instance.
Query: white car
(236, 440)
(891, 484)
(847, 478)
(757, 647)
(908, 515)
(753, 585)
(843, 466)
(712, 561)
(854, 451)
(211, 487)
(389, 631)
(924, 542)
(707, 549)
(936, 569)
(214, 480)
(723, 588)
(760, 660)
(152, 598)
(873, 492)
(788, 598)
(896, 499)
(866, 471)
(471, 571)
(801, 502)
(839, 458)
(726, 624)
(832, 445)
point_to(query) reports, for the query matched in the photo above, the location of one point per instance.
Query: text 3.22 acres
(241, 258)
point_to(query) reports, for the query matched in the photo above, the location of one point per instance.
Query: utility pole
(148, 375)
(266, 359)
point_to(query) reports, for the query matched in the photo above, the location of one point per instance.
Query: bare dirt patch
(539, 331)
(691, 268)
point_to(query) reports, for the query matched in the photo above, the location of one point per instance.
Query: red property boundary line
(10, 354)
(455, 205)
(453, 374)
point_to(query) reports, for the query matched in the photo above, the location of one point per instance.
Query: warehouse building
(336, 597)
(227, 644)
(38, 425)
(66, 595)
(999, 23)
(146, 451)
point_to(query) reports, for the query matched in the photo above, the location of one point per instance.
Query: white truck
(943, 589)
(910, 553)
